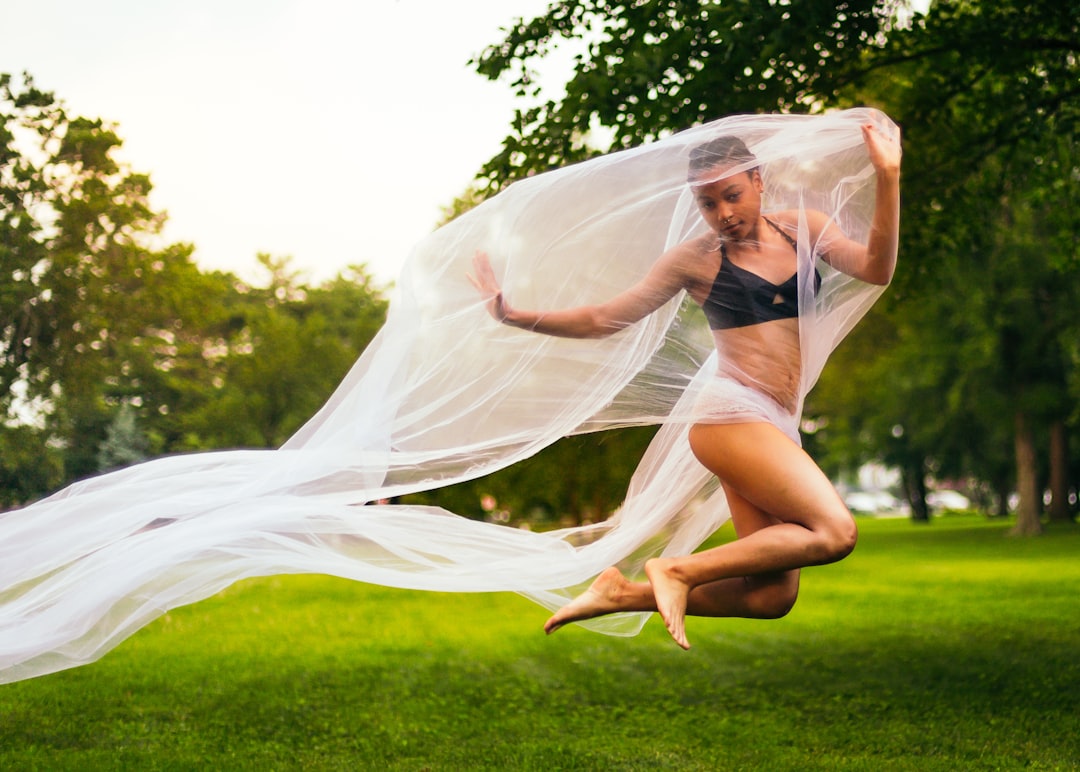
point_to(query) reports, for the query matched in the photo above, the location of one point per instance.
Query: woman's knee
(837, 537)
(774, 597)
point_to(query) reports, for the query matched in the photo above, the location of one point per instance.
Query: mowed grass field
(942, 647)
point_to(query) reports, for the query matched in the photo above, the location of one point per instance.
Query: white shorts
(726, 401)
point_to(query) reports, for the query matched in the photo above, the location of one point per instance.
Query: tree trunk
(913, 478)
(1059, 472)
(1002, 489)
(1027, 486)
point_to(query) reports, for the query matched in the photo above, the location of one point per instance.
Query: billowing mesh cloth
(446, 394)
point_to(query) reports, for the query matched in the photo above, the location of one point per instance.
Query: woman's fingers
(485, 277)
(884, 151)
(487, 285)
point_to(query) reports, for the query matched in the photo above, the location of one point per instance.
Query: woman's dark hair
(727, 150)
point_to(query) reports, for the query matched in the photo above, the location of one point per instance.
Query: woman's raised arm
(875, 261)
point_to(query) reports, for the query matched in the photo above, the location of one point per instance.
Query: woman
(743, 273)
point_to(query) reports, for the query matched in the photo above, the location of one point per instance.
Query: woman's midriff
(764, 357)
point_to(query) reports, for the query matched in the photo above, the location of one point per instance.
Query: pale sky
(330, 130)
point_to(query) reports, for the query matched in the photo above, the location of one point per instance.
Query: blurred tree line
(970, 368)
(114, 348)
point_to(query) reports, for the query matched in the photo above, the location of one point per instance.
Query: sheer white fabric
(446, 394)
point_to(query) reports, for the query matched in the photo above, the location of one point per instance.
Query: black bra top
(740, 298)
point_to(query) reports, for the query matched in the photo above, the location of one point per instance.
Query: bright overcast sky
(330, 130)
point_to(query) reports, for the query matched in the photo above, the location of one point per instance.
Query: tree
(651, 68)
(118, 347)
(29, 465)
(290, 345)
(30, 120)
(110, 306)
(980, 88)
(124, 442)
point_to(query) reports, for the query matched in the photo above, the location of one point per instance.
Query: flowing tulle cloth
(445, 394)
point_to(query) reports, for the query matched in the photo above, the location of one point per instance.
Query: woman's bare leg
(760, 582)
(764, 470)
(759, 597)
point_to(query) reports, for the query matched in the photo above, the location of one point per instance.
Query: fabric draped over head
(446, 394)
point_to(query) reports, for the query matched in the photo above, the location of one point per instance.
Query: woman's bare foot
(604, 596)
(671, 596)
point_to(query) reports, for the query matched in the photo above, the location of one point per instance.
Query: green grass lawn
(941, 647)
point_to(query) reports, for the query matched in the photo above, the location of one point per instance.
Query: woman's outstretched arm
(662, 283)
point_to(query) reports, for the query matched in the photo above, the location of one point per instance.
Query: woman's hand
(884, 151)
(489, 288)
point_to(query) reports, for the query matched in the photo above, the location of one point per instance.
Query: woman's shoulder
(788, 219)
(689, 255)
(693, 263)
(706, 243)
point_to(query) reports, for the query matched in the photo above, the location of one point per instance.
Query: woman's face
(731, 205)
